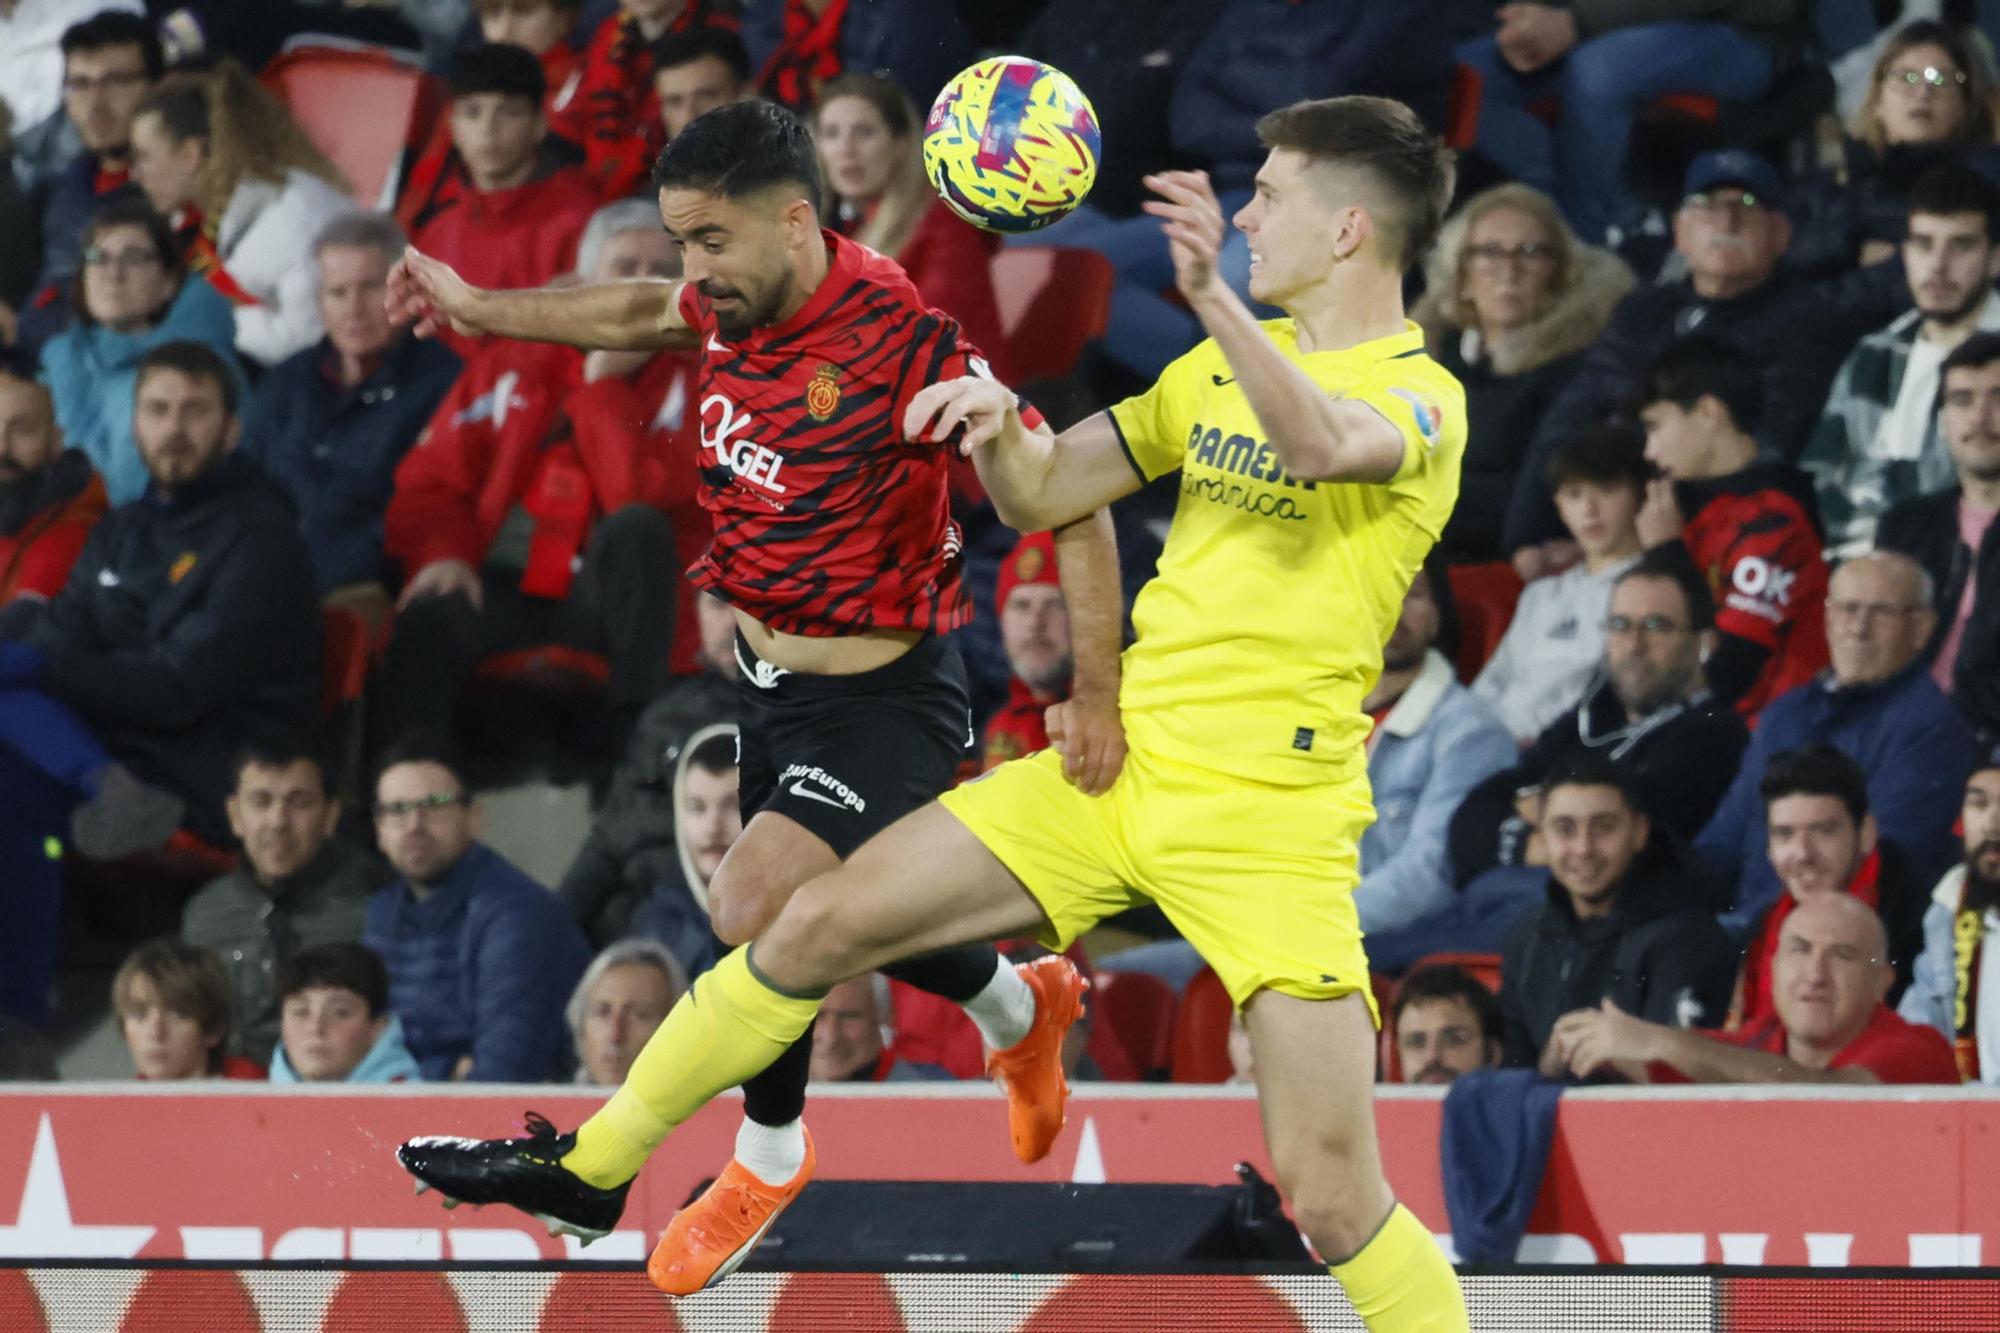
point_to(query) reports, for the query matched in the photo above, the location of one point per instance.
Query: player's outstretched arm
(1317, 437)
(1038, 480)
(617, 316)
(1086, 728)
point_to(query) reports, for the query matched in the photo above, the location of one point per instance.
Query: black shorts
(846, 756)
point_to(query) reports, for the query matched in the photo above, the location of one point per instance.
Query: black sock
(956, 974)
(778, 1095)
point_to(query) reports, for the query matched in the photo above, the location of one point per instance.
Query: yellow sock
(1400, 1282)
(729, 1026)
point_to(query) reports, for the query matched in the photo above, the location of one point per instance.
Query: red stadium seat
(1132, 1026)
(1053, 300)
(1485, 967)
(1201, 1031)
(1485, 596)
(344, 660)
(1388, 1066)
(361, 106)
(550, 667)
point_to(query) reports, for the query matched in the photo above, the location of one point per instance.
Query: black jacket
(1683, 759)
(1501, 414)
(1658, 954)
(188, 622)
(1926, 529)
(1792, 330)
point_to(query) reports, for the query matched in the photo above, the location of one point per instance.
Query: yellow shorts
(1259, 878)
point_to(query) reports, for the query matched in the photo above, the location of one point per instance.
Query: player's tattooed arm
(1317, 437)
(1086, 728)
(616, 316)
(1038, 481)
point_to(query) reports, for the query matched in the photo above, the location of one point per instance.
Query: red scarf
(1761, 957)
(807, 59)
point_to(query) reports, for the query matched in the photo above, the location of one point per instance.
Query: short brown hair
(1383, 138)
(189, 981)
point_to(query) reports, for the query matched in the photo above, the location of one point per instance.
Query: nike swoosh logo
(800, 789)
(1221, 380)
(715, 346)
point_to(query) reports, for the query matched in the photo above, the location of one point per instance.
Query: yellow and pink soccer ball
(1011, 144)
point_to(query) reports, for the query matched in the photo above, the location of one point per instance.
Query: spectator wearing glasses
(1748, 526)
(1731, 232)
(481, 958)
(1512, 299)
(1950, 533)
(134, 294)
(1877, 705)
(1878, 441)
(1929, 101)
(110, 62)
(1446, 1023)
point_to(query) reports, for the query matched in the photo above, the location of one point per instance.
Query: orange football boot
(711, 1237)
(1031, 1069)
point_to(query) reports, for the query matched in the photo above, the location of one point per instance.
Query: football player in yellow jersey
(1319, 457)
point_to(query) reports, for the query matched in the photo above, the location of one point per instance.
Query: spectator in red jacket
(498, 211)
(615, 116)
(544, 29)
(1034, 631)
(697, 71)
(551, 499)
(49, 496)
(1749, 526)
(1831, 1025)
(872, 156)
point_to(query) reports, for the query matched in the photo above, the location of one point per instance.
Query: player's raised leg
(1315, 1069)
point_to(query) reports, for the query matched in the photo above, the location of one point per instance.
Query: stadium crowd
(1686, 750)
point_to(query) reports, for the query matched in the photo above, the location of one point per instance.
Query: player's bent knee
(741, 909)
(1339, 1217)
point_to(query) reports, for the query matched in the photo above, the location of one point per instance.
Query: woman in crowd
(1512, 300)
(1929, 101)
(172, 1002)
(246, 192)
(872, 158)
(132, 295)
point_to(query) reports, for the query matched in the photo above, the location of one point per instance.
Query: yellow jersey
(1263, 629)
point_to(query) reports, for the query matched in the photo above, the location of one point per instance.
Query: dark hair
(115, 27)
(1447, 981)
(1385, 140)
(1669, 565)
(717, 754)
(128, 212)
(1436, 571)
(740, 149)
(1816, 770)
(1699, 367)
(1609, 453)
(18, 363)
(278, 749)
(499, 67)
(1979, 351)
(348, 966)
(1954, 188)
(1588, 768)
(420, 747)
(481, 6)
(197, 361)
(702, 43)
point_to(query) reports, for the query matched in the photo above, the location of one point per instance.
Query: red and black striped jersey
(827, 521)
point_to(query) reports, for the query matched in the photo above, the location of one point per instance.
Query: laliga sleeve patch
(1425, 413)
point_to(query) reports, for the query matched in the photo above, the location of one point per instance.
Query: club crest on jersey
(183, 565)
(1429, 417)
(823, 394)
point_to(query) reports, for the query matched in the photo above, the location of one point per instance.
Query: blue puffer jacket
(1907, 737)
(92, 372)
(336, 449)
(481, 967)
(1264, 54)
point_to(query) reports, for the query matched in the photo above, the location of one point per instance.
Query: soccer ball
(1011, 144)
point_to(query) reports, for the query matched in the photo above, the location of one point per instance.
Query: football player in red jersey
(835, 546)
